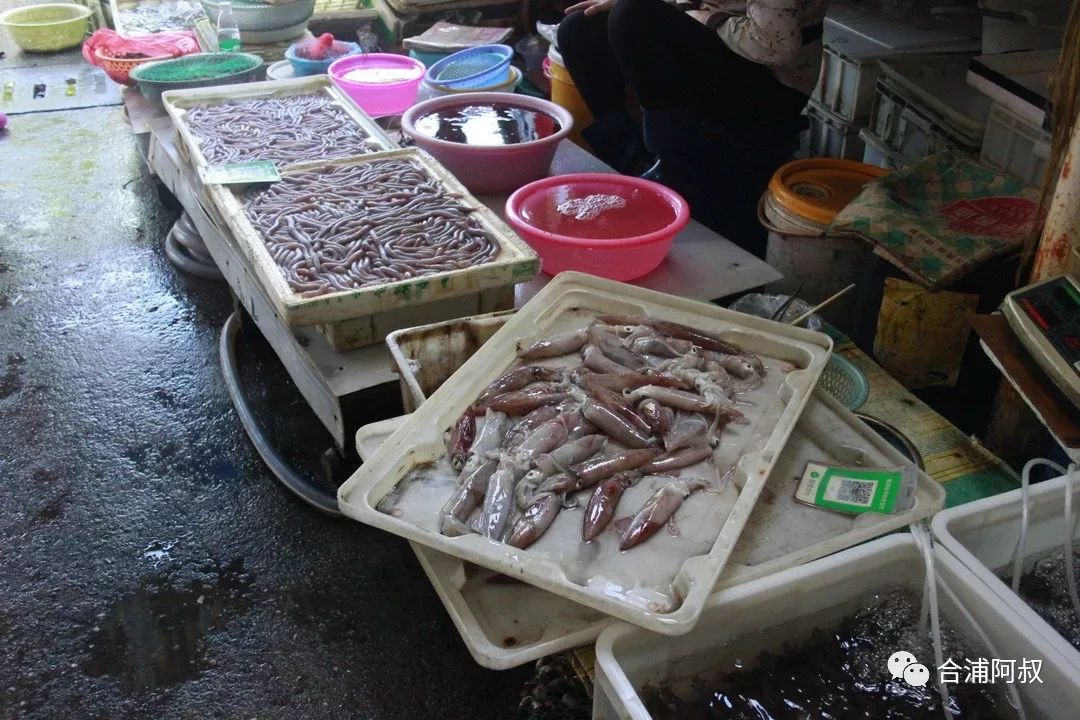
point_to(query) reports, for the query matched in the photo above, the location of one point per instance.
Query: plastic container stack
(843, 101)
(924, 106)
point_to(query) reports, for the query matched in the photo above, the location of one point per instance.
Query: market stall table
(702, 265)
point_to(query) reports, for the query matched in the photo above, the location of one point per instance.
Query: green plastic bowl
(47, 27)
(195, 71)
(845, 382)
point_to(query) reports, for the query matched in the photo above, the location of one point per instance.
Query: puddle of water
(154, 637)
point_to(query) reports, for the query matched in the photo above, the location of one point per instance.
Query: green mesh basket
(192, 71)
(845, 382)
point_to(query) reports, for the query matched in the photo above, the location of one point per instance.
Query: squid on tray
(643, 399)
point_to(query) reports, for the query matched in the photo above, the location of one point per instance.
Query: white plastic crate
(832, 136)
(742, 621)
(849, 72)
(1015, 145)
(508, 624)
(983, 535)
(878, 154)
(924, 106)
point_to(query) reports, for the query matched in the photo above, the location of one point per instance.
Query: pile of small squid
(538, 439)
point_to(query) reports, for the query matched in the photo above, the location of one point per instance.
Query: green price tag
(258, 171)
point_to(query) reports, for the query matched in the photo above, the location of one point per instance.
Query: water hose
(922, 540)
(317, 498)
(179, 257)
(1067, 546)
(1025, 515)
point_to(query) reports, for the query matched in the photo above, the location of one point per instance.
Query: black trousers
(672, 61)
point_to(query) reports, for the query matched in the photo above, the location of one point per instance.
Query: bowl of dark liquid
(492, 142)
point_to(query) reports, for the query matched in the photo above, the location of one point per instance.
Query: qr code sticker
(853, 492)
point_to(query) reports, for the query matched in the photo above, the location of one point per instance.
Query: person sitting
(721, 88)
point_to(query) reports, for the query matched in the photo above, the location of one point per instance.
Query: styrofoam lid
(818, 188)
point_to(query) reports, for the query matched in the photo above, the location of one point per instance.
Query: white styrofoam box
(1017, 80)
(832, 136)
(878, 154)
(664, 582)
(508, 624)
(924, 105)
(1015, 145)
(742, 621)
(983, 536)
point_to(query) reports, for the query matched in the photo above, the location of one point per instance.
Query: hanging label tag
(857, 490)
(257, 171)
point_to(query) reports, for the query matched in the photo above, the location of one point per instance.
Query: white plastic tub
(831, 135)
(508, 624)
(1015, 145)
(663, 586)
(983, 535)
(741, 621)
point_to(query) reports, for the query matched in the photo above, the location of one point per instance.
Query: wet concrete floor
(150, 566)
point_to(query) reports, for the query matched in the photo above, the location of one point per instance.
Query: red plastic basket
(118, 69)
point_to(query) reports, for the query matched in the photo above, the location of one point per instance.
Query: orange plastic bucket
(802, 199)
(565, 93)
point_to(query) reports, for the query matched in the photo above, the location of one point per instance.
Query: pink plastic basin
(380, 83)
(490, 169)
(614, 226)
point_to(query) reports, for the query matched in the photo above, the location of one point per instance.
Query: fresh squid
(588, 473)
(487, 440)
(595, 359)
(660, 419)
(521, 402)
(535, 521)
(678, 459)
(602, 503)
(461, 438)
(615, 425)
(555, 345)
(526, 425)
(544, 439)
(520, 378)
(656, 512)
(498, 501)
(465, 497)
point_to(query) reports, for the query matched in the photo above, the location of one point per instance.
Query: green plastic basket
(193, 71)
(47, 27)
(845, 382)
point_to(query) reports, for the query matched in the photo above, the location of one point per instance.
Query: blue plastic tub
(303, 67)
(479, 66)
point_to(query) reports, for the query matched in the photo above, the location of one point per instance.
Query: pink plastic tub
(614, 226)
(380, 83)
(490, 169)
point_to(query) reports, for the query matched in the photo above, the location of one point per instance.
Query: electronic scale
(1046, 319)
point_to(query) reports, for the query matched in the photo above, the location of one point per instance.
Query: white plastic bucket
(799, 249)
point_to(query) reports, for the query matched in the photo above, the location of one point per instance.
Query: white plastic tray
(178, 102)
(662, 584)
(983, 534)
(508, 624)
(740, 622)
(516, 261)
